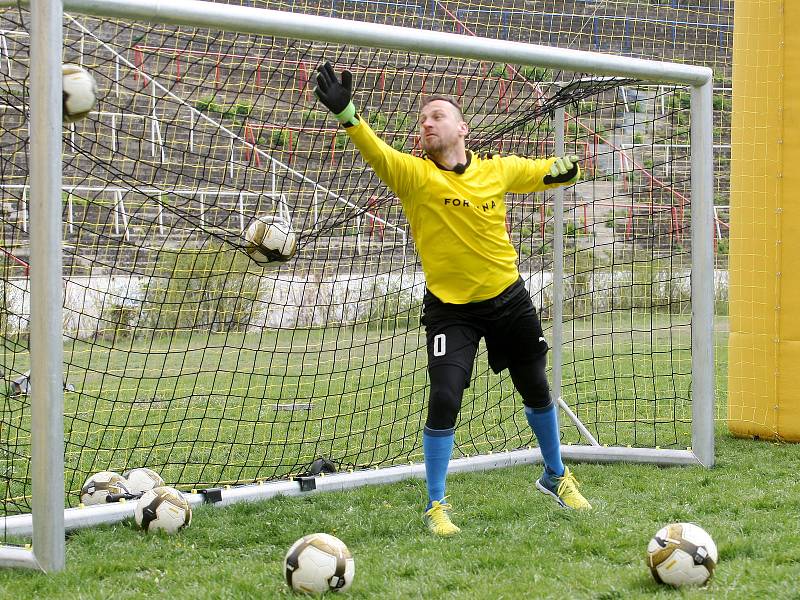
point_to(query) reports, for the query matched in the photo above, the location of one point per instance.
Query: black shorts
(508, 322)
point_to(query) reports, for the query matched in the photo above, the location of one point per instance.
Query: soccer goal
(136, 332)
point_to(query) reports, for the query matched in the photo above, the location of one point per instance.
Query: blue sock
(437, 446)
(545, 425)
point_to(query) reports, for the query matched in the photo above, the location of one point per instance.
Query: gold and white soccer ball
(163, 509)
(98, 488)
(270, 239)
(142, 479)
(319, 563)
(79, 92)
(682, 554)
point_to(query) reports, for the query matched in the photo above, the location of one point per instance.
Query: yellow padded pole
(764, 346)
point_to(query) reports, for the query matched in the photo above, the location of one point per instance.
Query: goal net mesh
(184, 356)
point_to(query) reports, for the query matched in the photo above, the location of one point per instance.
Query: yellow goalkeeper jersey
(458, 221)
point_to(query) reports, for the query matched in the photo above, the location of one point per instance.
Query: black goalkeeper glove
(336, 95)
(565, 169)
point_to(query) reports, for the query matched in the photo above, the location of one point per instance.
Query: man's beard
(437, 145)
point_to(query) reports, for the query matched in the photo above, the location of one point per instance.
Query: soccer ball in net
(163, 508)
(102, 487)
(142, 479)
(79, 92)
(682, 554)
(319, 563)
(270, 239)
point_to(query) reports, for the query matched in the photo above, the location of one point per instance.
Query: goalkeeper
(454, 203)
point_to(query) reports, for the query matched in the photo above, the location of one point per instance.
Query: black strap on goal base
(123, 496)
(211, 495)
(307, 484)
(307, 480)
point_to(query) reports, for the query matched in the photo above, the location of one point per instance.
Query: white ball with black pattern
(319, 563)
(102, 488)
(142, 479)
(163, 509)
(79, 92)
(270, 239)
(682, 554)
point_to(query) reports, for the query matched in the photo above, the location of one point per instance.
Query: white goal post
(50, 520)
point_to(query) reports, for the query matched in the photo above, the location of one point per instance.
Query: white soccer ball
(682, 554)
(79, 92)
(319, 563)
(270, 239)
(142, 479)
(163, 508)
(100, 486)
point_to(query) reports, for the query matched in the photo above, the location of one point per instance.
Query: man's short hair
(428, 99)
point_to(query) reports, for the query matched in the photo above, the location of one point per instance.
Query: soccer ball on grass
(270, 239)
(682, 554)
(141, 480)
(162, 509)
(79, 92)
(101, 487)
(319, 563)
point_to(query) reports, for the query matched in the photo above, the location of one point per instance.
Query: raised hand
(565, 169)
(336, 95)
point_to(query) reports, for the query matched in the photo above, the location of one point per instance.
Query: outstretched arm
(525, 175)
(398, 170)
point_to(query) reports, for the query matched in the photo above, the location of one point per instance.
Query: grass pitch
(516, 543)
(209, 408)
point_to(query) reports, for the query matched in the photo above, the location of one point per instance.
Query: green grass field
(515, 542)
(205, 408)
